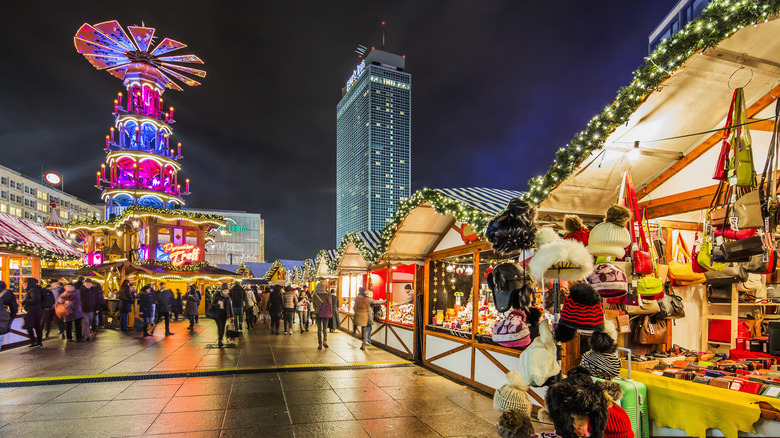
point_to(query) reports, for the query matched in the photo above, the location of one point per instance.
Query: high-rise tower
(373, 143)
(141, 164)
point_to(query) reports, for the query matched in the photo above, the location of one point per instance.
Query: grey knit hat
(513, 395)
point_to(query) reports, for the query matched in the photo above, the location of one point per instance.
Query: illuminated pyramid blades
(108, 47)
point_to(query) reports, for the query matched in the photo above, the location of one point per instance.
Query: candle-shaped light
(166, 117)
(138, 135)
(116, 106)
(180, 147)
(108, 139)
(171, 151)
(188, 185)
(103, 170)
(172, 113)
(178, 189)
(113, 137)
(98, 178)
(119, 98)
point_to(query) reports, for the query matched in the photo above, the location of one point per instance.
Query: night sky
(497, 87)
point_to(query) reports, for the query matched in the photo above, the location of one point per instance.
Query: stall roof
(23, 235)
(357, 251)
(675, 120)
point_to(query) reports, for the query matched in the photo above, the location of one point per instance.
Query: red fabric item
(737, 354)
(582, 316)
(582, 235)
(618, 424)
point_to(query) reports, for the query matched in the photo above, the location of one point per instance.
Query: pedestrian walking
(92, 300)
(264, 306)
(238, 298)
(125, 296)
(250, 308)
(192, 299)
(146, 301)
(322, 307)
(222, 310)
(334, 322)
(31, 303)
(8, 310)
(303, 311)
(364, 315)
(68, 308)
(56, 290)
(275, 308)
(165, 301)
(48, 300)
(178, 306)
(290, 301)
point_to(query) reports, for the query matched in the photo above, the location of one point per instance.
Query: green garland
(43, 254)
(323, 255)
(141, 209)
(272, 270)
(308, 270)
(720, 20)
(190, 267)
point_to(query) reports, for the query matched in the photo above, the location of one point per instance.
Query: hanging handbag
(737, 250)
(768, 187)
(640, 252)
(649, 332)
(727, 275)
(681, 272)
(721, 167)
(752, 284)
(671, 305)
(719, 294)
(649, 287)
(764, 263)
(729, 233)
(645, 307)
(697, 246)
(704, 257)
(742, 172)
(747, 209)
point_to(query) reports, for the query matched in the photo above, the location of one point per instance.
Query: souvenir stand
(667, 128)
(281, 272)
(354, 258)
(25, 249)
(325, 268)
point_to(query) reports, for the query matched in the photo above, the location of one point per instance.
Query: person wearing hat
(323, 310)
(31, 303)
(224, 311)
(407, 299)
(581, 311)
(91, 300)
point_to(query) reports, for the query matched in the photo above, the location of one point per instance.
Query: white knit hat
(513, 395)
(608, 239)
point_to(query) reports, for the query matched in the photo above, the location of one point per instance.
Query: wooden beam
(706, 145)
(429, 233)
(680, 202)
(688, 226)
(761, 125)
(449, 352)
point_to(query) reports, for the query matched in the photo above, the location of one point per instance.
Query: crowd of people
(79, 309)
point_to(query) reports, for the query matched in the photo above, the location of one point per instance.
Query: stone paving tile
(113, 427)
(312, 413)
(198, 434)
(340, 429)
(449, 425)
(55, 411)
(254, 417)
(197, 403)
(370, 393)
(205, 388)
(308, 397)
(398, 427)
(34, 394)
(40, 429)
(132, 407)
(472, 402)
(149, 391)
(87, 391)
(277, 431)
(12, 412)
(378, 409)
(187, 422)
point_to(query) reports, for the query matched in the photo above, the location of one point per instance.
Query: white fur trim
(562, 251)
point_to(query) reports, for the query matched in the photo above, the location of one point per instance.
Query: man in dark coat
(92, 300)
(238, 298)
(146, 307)
(275, 307)
(165, 302)
(32, 305)
(8, 300)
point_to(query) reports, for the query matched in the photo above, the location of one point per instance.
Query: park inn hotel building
(373, 144)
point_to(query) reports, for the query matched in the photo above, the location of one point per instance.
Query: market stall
(354, 258)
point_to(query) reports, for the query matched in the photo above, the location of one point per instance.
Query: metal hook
(735, 72)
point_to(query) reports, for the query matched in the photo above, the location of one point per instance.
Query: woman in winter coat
(31, 302)
(223, 308)
(364, 314)
(146, 301)
(275, 307)
(71, 298)
(263, 306)
(304, 303)
(192, 300)
(125, 297)
(322, 297)
(334, 322)
(250, 307)
(290, 303)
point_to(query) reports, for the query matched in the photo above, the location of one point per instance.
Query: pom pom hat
(513, 395)
(610, 238)
(575, 230)
(582, 309)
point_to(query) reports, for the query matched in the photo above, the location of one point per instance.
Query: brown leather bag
(648, 332)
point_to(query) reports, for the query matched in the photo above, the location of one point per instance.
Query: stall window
(400, 301)
(349, 290)
(163, 236)
(488, 314)
(191, 237)
(377, 284)
(450, 293)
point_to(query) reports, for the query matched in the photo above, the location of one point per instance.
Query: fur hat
(511, 286)
(553, 250)
(576, 394)
(610, 238)
(513, 230)
(513, 395)
(513, 423)
(575, 229)
(581, 311)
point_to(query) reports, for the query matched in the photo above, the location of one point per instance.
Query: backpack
(326, 310)
(47, 299)
(5, 317)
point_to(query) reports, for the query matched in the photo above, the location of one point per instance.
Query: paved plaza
(407, 401)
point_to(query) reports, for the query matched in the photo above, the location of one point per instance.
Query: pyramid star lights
(141, 164)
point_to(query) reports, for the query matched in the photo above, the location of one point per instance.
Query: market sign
(181, 254)
(236, 229)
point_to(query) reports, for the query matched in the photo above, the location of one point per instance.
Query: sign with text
(181, 254)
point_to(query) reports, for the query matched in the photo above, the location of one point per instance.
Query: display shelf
(732, 316)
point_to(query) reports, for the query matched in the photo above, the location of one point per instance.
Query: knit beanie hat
(582, 309)
(601, 365)
(575, 229)
(618, 423)
(513, 395)
(608, 280)
(610, 238)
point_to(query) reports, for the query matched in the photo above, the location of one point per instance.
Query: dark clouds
(497, 88)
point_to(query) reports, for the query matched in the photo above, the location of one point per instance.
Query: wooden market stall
(353, 258)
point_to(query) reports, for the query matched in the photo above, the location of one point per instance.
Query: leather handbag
(681, 272)
(721, 168)
(752, 284)
(727, 275)
(759, 265)
(719, 294)
(768, 186)
(649, 332)
(671, 305)
(747, 209)
(719, 330)
(742, 172)
(734, 234)
(649, 287)
(704, 257)
(740, 249)
(645, 307)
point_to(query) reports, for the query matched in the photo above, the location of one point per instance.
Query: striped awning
(370, 238)
(332, 254)
(15, 230)
(490, 201)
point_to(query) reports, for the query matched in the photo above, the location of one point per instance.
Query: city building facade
(373, 143)
(30, 199)
(681, 14)
(241, 240)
